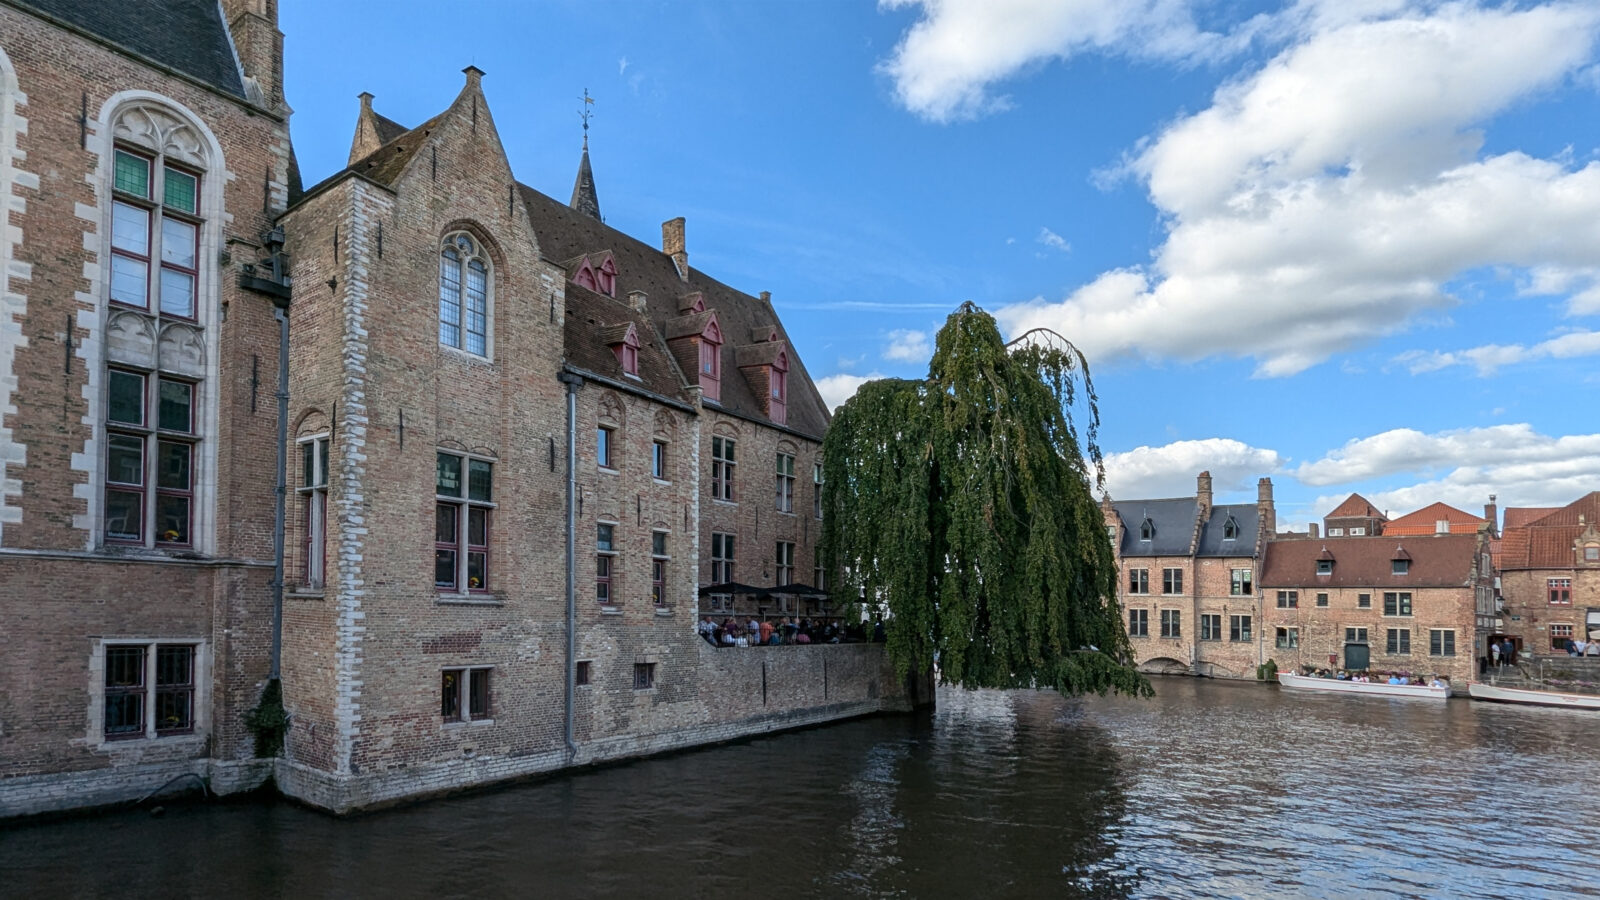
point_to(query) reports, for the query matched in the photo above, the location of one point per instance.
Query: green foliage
(961, 504)
(1267, 671)
(269, 721)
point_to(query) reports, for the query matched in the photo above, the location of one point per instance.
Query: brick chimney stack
(1491, 511)
(259, 44)
(1202, 492)
(672, 244)
(1265, 511)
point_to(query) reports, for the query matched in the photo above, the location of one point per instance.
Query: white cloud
(622, 66)
(1170, 470)
(836, 389)
(944, 66)
(1051, 239)
(1490, 357)
(1512, 454)
(909, 346)
(1324, 200)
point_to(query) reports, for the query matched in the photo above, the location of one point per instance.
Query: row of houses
(1218, 590)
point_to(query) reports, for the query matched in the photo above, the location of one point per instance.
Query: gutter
(573, 382)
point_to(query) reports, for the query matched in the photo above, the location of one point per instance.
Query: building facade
(1550, 576)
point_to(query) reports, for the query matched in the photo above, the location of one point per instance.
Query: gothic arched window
(464, 295)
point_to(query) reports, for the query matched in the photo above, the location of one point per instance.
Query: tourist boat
(1532, 696)
(1334, 685)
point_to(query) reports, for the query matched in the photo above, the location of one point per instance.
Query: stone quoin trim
(13, 302)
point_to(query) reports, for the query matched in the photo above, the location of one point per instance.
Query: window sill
(718, 502)
(610, 610)
(469, 600)
(305, 593)
(789, 513)
(141, 745)
(663, 610)
(660, 480)
(449, 726)
(607, 470)
(467, 355)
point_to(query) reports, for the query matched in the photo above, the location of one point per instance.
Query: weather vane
(584, 114)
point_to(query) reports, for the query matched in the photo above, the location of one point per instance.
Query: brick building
(1439, 518)
(1550, 575)
(1414, 604)
(1188, 570)
(1355, 517)
(479, 374)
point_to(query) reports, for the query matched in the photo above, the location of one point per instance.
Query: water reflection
(1209, 790)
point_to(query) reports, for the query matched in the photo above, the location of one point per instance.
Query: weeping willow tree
(959, 506)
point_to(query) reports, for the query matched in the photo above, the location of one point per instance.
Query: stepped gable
(187, 36)
(1172, 520)
(1426, 521)
(1444, 560)
(564, 233)
(1546, 542)
(1213, 536)
(592, 320)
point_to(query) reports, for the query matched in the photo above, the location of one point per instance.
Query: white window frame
(452, 242)
(198, 734)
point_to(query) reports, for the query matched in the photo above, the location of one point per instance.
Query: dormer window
(1400, 566)
(778, 388)
(1230, 529)
(1147, 530)
(1324, 567)
(605, 278)
(711, 360)
(624, 342)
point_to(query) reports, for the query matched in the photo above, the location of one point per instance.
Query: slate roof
(1426, 519)
(1173, 520)
(584, 198)
(388, 129)
(1212, 540)
(1444, 560)
(1546, 542)
(593, 320)
(188, 36)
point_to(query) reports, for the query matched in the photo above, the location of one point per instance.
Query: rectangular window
(1397, 603)
(602, 446)
(1399, 642)
(1171, 581)
(819, 576)
(1355, 635)
(658, 568)
(582, 675)
(1324, 567)
(785, 563)
(785, 483)
(1138, 581)
(604, 552)
(816, 493)
(139, 502)
(1559, 635)
(1288, 638)
(154, 237)
(1210, 627)
(1358, 532)
(314, 510)
(1399, 566)
(1239, 628)
(464, 489)
(721, 558)
(1171, 620)
(464, 694)
(722, 463)
(1322, 598)
(1288, 599)
(1241, 586)
(658, 460)
(1139, 623)
(1560, 590)
(1363, 601)
(148, 690)
(644, 676)
(1335, 532)
(1441, 642)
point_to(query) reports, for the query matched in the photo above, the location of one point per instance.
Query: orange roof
(1354, 505)
(1516, 516)
(1426, 521)
(1546, 542)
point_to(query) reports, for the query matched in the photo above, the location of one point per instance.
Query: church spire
(584, 199)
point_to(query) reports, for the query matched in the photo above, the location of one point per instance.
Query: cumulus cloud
(1490, 357)
(1512, 455)
(1051, 239)
(1170, 470)
(949, 59)
(1324, 200)
(836, 389)
(909, 346)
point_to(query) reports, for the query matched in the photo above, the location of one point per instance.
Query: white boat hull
(1536, 698)
(1374, 688)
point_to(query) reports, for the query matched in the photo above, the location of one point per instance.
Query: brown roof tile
(1444, 560)
(1521, 515)
(1546, 542)
(1355, 505)
(592, 320)
(1426, 519)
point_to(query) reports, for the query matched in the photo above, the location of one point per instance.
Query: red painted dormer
(694, 337)
(778, 380)
(600, 277)
(624, 342)
(710, 344)
(764, 363)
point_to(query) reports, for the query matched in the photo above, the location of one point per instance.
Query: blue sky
(1353, 245)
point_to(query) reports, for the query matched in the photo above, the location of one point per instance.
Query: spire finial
(584, 113)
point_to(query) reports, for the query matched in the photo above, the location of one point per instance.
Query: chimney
(474, 77)
(1265, 511)
(259, 45)
(638, 300)
(1202, 491)
(1312, 530)
(1491, 511)
(672, 245)
(766, 297)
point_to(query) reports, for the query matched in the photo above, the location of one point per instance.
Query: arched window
(464, 295)
(161, 297)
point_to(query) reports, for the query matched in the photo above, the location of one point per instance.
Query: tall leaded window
(785, 563)
(721, 558)
(605, 554)
(784, 490)
(464, 295)
(314, 509)
(658, 568)
(816, 493)
(151, 439)
(722, 463)
(155, 233)
(465, 498)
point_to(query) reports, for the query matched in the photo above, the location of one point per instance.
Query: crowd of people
(1369, 677)
(762, 632)
(1581, 647)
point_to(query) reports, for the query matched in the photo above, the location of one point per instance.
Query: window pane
(174, 666)
(480, 477)
(602, 446)
(450, 298)
(125, 459)
(444, 568)
(322, 461)
(178, 243)
(448, 477)
(130, 228)
(180, 190)
(125, 714)
(445, 523)
(450, 695)
(130, 279)
(177, 406)
(175, 711)
(478, 707)
(172, 465)
(124, 667)
(132, 174)
(477, 308)
(172, 519)
(477, 526)
(177, 293)
(308, 464)
(125, 392)
(124, 515)
(603, 537)
(477, 571)
(658, 543)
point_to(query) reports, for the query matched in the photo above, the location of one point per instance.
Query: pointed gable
(1427, 521)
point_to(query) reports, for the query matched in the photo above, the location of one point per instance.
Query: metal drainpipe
(281, 313)
(573, 382)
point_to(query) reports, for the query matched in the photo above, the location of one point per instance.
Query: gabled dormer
(695, 339)
(624, 342)
(595, 271)
(1325, 561)
(765, 367)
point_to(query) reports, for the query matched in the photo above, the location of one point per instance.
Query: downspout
(573, 382)
(280, 312)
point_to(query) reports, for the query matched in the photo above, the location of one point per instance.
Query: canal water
(1211, 789)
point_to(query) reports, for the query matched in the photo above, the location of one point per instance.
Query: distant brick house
(1413, 604)
(1435, 518)
(1355, 517)
(1550, 574)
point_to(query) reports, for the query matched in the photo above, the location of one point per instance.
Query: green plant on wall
(269, 721)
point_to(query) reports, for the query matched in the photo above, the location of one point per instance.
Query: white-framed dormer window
(464, 294)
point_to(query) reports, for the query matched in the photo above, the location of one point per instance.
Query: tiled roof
(385, 164)
(1444, 560)
(1546, 542)
(1355, 506)
(1521, 515)
(188, 36)
(1426, 521)
(388, 129)
(594, 321)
